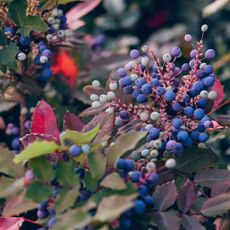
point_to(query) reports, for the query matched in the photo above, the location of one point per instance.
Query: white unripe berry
(54, 12)
(170, 163)
(68, 33)
(60, 12)
(203, 65)
(144, 152)
(43, 59)
(151, 166)
(148, 127)
(157, 144)
(127, 67)
(85, 148)
(204, 28)
(145, 61)
(167, 58)
(103, 98)
(50, 20)
(110, 95)
(94, 97)
(154, 153)
(212, 95)
(56, 26)
(96, 104)
(32, 109)
(96, 84)
(8, 131)
(113, 86)
(204, 93)
(132, 63)
(24, 111)
(49, 37)
(57, 21)
(21, 56)
(134, 76)
(109, 110)
(144, 48)
(144, 116)
(154, 116)
(61, 33)
(119, 121)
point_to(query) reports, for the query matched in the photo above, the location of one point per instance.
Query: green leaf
(113, 181)
(65, 173)
(97, 165)
(123, 144)
(3, 40)
(71, 137)
(7, 56)
(38, 192)
(90, 182)
(194, 159)
(42, 168)
(113, 206)
(17, 11)
(36, 149)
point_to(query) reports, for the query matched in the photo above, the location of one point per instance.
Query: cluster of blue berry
(170, 102)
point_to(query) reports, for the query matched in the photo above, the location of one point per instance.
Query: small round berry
(135, 176)
(154, 153)
(96, 104)
(182, 136)
(148, 127)
(68, 33)
(185, 67)
(85, 148)
(204, 28)
(103, 98)
(193, 53)
(139, 207)
(125, 81)
(139, 82)
(150, 166)
(144, 152)
(212, 95)
(157, 144)
(94, 97)
(204, 94)
(177, 122)
(170, 95)
(54, 12)
(154, 116)
(121, 72)
(61, 33)
(145, 61)
(134, 54)
(199, 114)
(113, 86)
(160, 91)
(96, 84)
(42, 214)
(176, 107)
(47, 53)
(188, 38)
(75, 150)
(141, 98)
(167, 57)
(176, 52)
(24, 110)
(50, 20)
(154, 133)
(124, 114)
(49, 37)
(109, 110)
(133, 76)
(188, 110)
(210, 53)
(203, 137)
(43, 59)
(21, 56)
(170, 163)
(121, 163)
(144, 48)
(208, 69)
(144, 116)
(170, 145)
(153, 178)
(110, 96)
(146, 88)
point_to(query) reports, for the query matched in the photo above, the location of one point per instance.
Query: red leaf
(11, 223)
(219, 88)
(79, 11)
(72, 122)
(44, 120)
(65, 65)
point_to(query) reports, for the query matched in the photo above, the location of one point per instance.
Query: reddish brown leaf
(91, 111)
(219, 88)
(166, 220)
(44, 120)
(165, 196)
(186, 196)
(11, 223)
(72, 122)
(220, 187)
(222, 223)
(191, 223)
(89, 89)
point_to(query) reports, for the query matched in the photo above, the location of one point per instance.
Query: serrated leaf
(36, 149)
(217, 205)
(42, 169)
(17, 11)
(7, 55)
(164, 196)
(65, 174)
(210, 177)
(123, 144)
(191, 223)
(113, 206)
(194, 159)
(113, 181)
(38, 192)
(70, 137)
(186, 196)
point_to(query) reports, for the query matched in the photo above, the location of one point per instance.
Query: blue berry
(153, 178)
(199, 114)
(155, 82)
(195, 136)
(141, 98)
(139, 82)
(154, 133)
(182, 136)
(129, 165)
(15, 144)
(128, 89)
(185, 67)
(198, 86)
(42, 214)
(24, 41)
(124, 114)
(47, 73)
(139, 207)
(188, 110)
(121, 72)
(176, 51)
(160, 91)
(177, 123)
(142, 190)
(125, 81)
(201, 127)
(135, 176)
(75, 150)
(126, 223)
(203, 137)
(43, 205)
(209, 81)
(202, 102)
(170, 95)
(135, 93)
(176, 107)
(148, 200)
(47, 53)
(146, 88)
(208, 69)
(9, 30)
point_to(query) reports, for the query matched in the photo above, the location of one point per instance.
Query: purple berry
(188, 38)
(176, 51)
(210, 53)
(75, 150)
(124, 114)
(193, 53)
(134, 54)
(121, 72)
(46, 53)
(185, 67)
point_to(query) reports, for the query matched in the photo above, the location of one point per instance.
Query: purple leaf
(220, 187)
(89, 89)
(165, 196)
(72, 122)
(217, 205)
(186, 196)
(209, 177)
(91, 111)
(166, 220)
(191, 223)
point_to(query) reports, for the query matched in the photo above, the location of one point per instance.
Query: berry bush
(96, 139)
